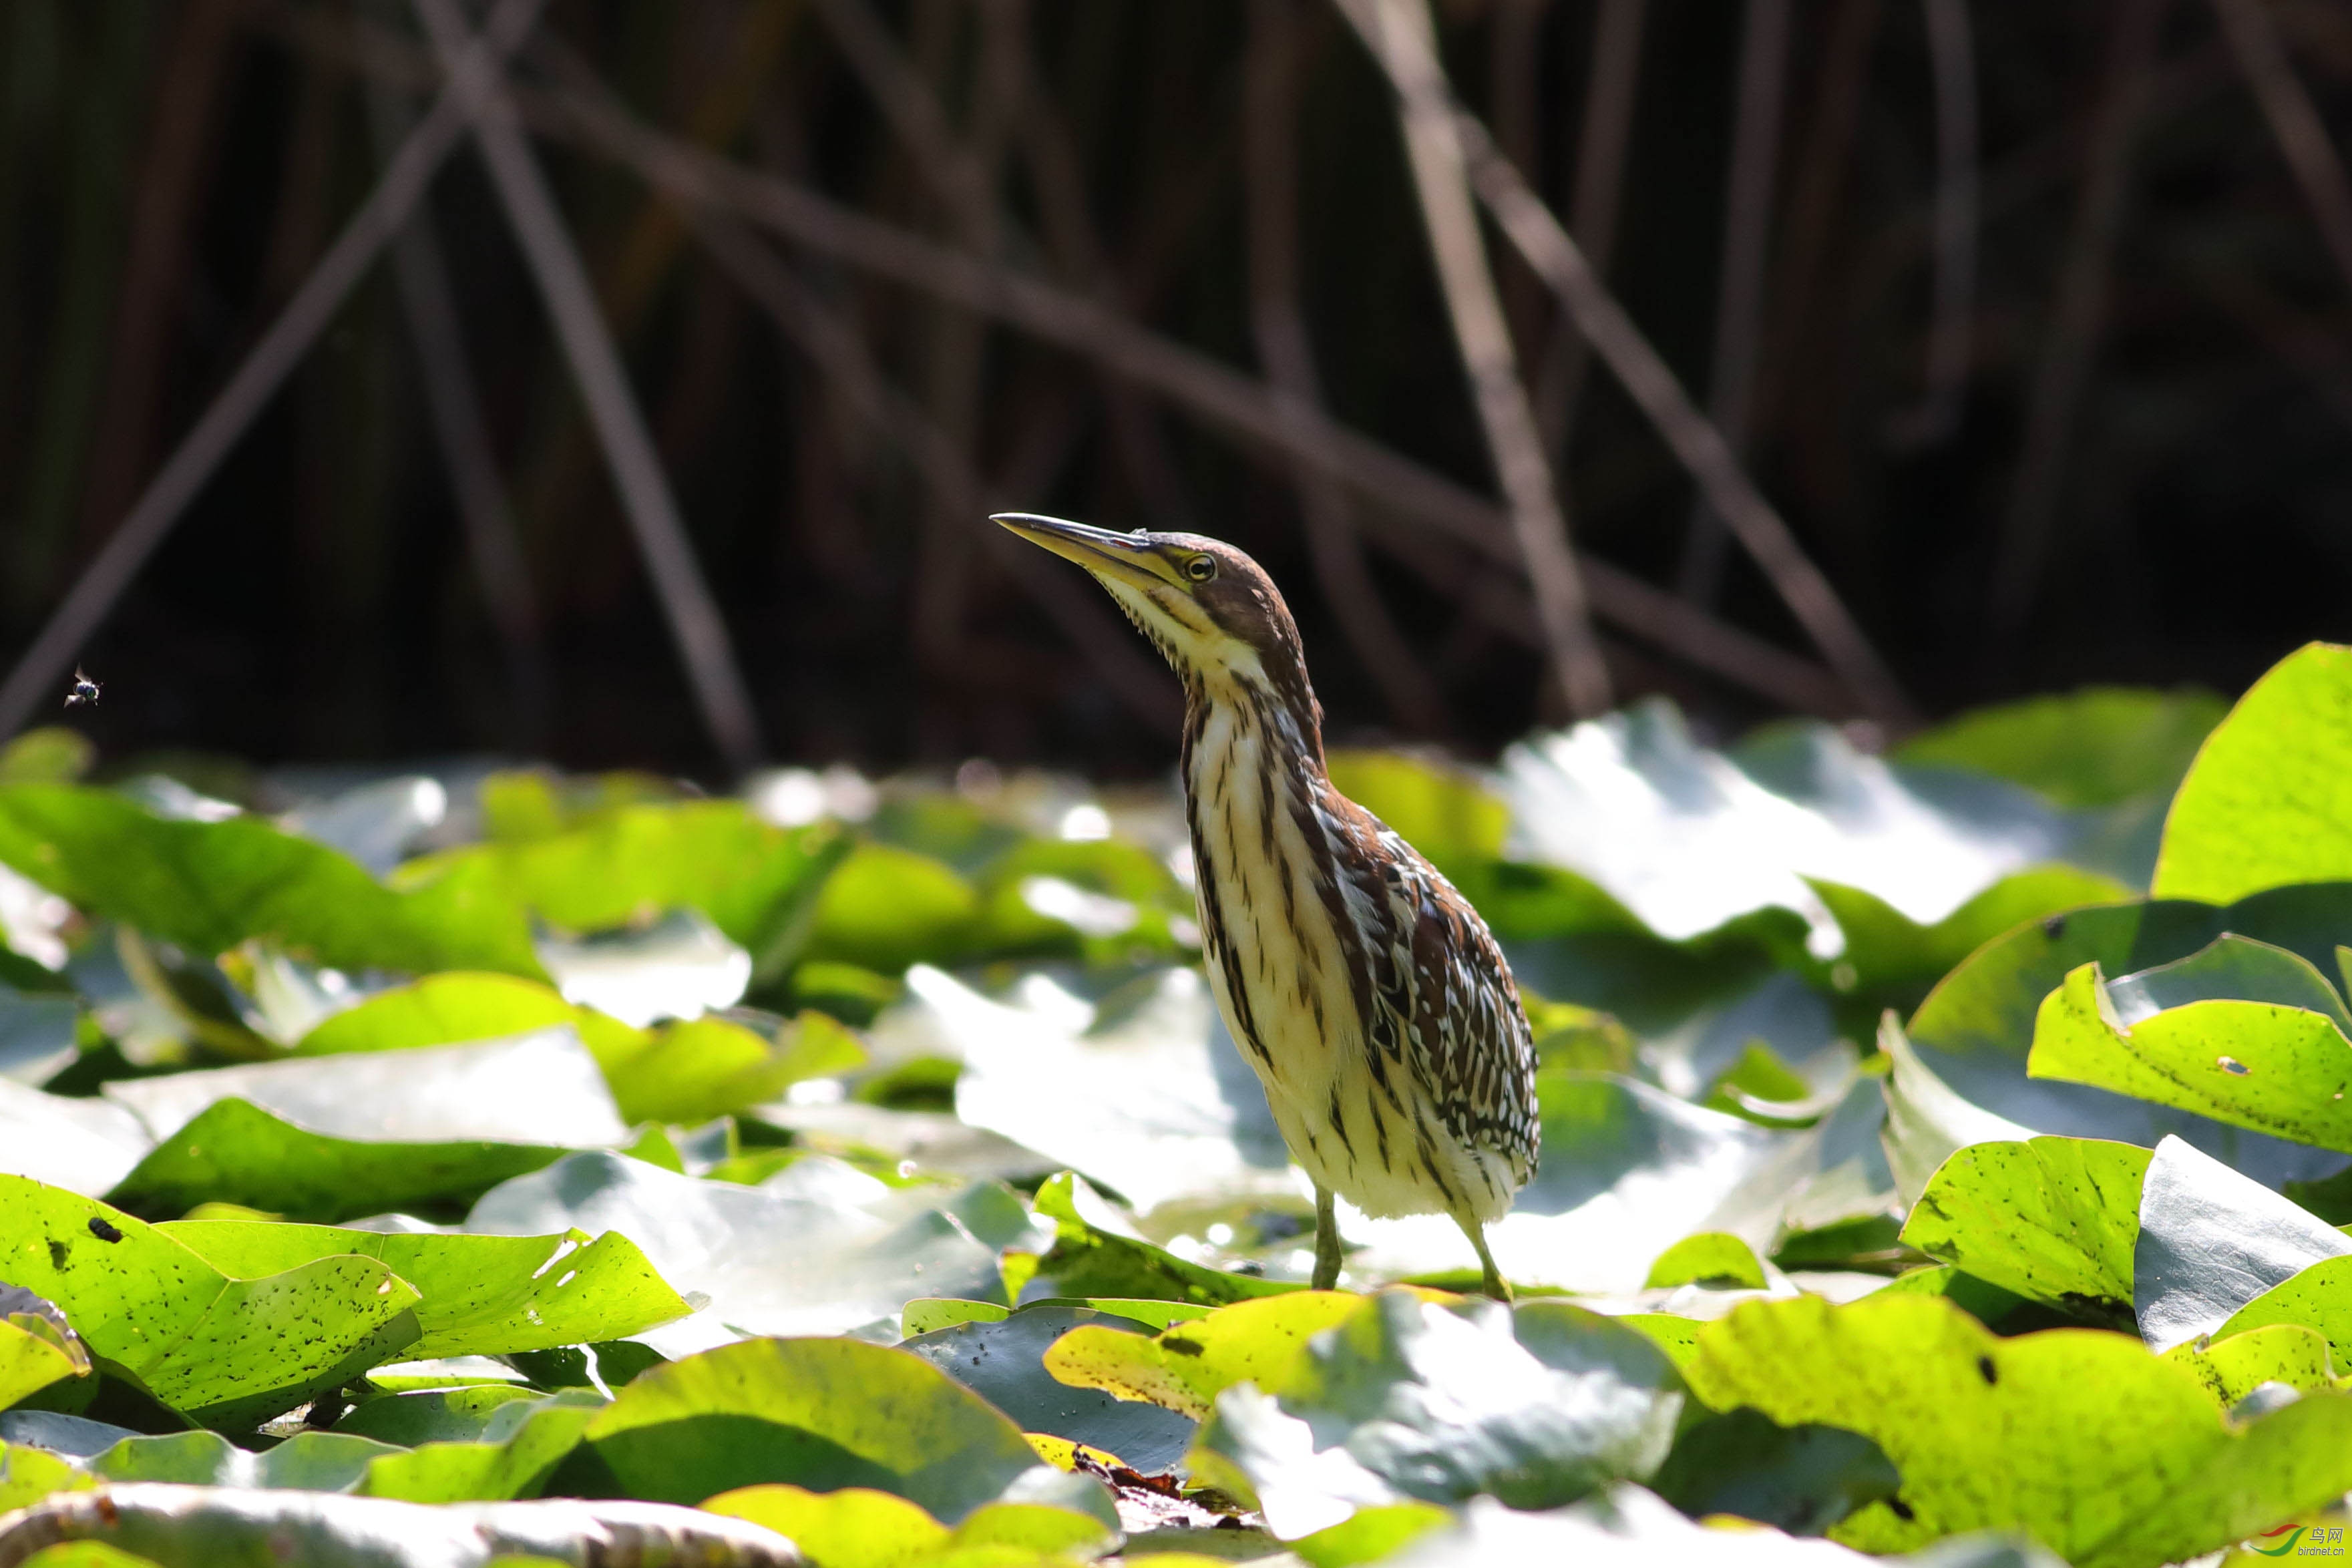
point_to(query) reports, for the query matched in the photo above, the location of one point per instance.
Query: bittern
(1363, 989)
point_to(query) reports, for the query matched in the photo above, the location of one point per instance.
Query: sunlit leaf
(2055, 1219)
(209, 886)
(482, 1295)
(223, 1351)
(1005, 1363)
(2269, 799)
(2103, 1452)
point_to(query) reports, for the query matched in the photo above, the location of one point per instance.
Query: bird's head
(1211, 611)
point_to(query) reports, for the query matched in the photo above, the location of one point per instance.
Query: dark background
(169, 172)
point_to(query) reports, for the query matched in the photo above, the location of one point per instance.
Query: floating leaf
(223, 1352)
(2317, 1296)
(1184, 1368)
(482, 1295)
(185, 1525)
(860, 1528)
(2094, 746)
(1709, 1257)
(38, 1345)
(2275, 1069)
(1003, 1362)
(236, 1153)
(1410, 1399)
(308, 1461)
(1803, 1479)
(2237, 1364)
(2210, 1241)
(521, 1443)
(2054, 1219)
(1058, 1074)
(821, 1413)
(754, 881)
(770, 1262)
(2103, 1453)
(2268, 801)
(1093, 1258)
(209, 886)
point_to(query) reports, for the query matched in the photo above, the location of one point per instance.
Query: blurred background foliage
(2135, 467)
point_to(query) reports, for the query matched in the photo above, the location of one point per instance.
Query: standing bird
(1367, 994)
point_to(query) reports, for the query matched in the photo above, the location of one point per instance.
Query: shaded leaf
(1803, 1479)
(2092, 746)
(1411, 1399)
(820, 1414)
(2210, 1241)
(184, 1526)
(1004, 1363)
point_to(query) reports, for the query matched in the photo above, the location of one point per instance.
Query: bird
(1374, 1005)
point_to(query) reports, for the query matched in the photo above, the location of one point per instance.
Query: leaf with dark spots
(222, 1351)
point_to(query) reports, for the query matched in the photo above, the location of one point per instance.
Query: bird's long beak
(1122, 557)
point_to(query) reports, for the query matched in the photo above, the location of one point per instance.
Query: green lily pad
(236, 1153)
(225, 1352)
(887, 907)
(209, 886)
(518, 1449)
(1409, 1399)
(419, 1416)
(2318, 1298)
(1004, 1363)
(2091, 747)
(824, 1257)
(755, 882)
(821, 1413)
(2054, 1219)
(2237, 1362)
(1803, 1479)
(2268, 801)
(29, 1474)
(858, 1527)
(2274, 1068)
(1090, 1259)
(482, 1295)
(2083, 1439)
(187, 1525)
(38, 1345)
(308, 1461)
(453, 1008)
(1184, 1368)
(1710, 1257)
(1892, 960)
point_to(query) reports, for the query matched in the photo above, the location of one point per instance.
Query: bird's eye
(1200, 568)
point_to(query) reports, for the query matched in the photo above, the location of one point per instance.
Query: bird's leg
(1326, 1240)
(1494, 1285)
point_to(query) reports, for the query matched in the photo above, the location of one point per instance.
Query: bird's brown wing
(1434, 989)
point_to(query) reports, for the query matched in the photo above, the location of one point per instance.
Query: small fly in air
(85, 691)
